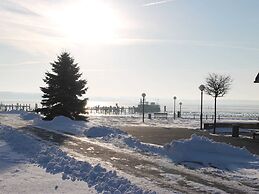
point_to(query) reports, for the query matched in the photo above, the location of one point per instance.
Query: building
(148, 107)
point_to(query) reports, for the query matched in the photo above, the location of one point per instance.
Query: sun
(89, 21)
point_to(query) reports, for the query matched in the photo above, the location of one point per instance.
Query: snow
(66, 125)
(18, 175)
(28, 178)
(195, 152)
(29, 115)
(63, 124)
(103, 131)
(136, 120)
(121, 139)
(55, 161)
(205, 152)
(12, 112)
(13, 120)
(199, 154)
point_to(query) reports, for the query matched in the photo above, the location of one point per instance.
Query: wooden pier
(17, 106)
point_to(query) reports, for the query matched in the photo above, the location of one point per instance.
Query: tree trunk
(215, 114)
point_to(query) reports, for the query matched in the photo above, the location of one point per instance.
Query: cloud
(157, 3)
(23, 63)
(26, 26)
(22, 29)
(189, 43)
(16, 8)
(215, 44)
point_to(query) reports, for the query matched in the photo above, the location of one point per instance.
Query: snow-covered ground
(19, 175)
(18, 148)
(136, 120)
(197, 157)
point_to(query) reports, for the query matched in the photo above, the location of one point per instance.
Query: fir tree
(64, 90)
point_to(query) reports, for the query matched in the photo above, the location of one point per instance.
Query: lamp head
(143, 95)
(202, 87)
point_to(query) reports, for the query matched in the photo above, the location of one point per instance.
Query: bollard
(235, 131)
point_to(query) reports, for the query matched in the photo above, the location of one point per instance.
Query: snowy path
(160, 172)
(13, 120)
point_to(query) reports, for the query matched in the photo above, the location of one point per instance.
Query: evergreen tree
(64, 90)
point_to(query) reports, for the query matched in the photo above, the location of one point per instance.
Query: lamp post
(202, 88)
(180, 108)
(174, 106)
(143, 106)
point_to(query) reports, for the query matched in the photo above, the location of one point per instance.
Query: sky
(164, 48)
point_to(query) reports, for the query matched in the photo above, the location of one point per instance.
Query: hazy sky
(126, 47)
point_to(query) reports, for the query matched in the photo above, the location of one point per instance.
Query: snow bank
(27, 178)
(12, 112)
(55, 161)
(62, 124)
(15, 170)
(103, 132)
(20, 142)
(205, 152)
(29, 115)
(195, 152)
(66, 125)
(120, 139)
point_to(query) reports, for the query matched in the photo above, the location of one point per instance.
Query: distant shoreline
(224, 104)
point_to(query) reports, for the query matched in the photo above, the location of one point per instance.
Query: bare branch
(217, 85)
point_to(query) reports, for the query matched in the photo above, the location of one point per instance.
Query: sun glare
(87, 21)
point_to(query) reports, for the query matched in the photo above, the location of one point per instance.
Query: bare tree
(217, 86)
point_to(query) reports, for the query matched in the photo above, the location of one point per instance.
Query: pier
(17, 106)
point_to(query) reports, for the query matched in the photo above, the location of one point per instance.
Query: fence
(10, 107)
(116, 110)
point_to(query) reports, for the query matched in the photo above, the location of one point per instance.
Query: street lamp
(143, 107)
(174, 106)
(180, 108)
(201, 88)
